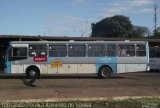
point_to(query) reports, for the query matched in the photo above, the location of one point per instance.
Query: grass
(106, 103)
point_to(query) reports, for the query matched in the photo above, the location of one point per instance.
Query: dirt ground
(80, 86)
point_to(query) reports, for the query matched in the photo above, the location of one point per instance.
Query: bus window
(19, 52)
(76, 50)
(140, 50)
(126, 50)
(130, 50)
(96, 50)
(111, 50)
(122, 51)
(57, 50)
(37, 50)
(37, 53)
(38, 47)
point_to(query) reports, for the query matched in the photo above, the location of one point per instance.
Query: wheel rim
(106, 72)
(32, 73)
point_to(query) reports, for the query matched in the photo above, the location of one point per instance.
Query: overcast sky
(69, 17)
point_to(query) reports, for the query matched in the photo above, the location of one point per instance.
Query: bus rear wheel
(104, 72)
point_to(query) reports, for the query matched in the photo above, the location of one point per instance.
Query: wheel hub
(32, 73)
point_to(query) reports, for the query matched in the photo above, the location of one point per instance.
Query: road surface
(75, 86)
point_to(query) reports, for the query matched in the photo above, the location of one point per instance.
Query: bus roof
(67, 42)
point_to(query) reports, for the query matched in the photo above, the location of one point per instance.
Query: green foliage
(153, 36)
(118, 26)
(140, 32)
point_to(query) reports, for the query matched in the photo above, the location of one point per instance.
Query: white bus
(155, 58)
(103, 58)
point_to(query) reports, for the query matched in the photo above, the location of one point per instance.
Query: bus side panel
(121, 68)
(52, 70)
(17, 68)
(135, 67)
(67, 69)
(86, 68)
(72, 65)
(132, 60)
(124, 68)
(44, 69)
(72, 69)
(131, 64)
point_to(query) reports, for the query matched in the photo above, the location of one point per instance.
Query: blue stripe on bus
(110, 61)
(50, 59)
(8, 67)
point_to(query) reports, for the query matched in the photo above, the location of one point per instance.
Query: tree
(116, 26)
(140, 32)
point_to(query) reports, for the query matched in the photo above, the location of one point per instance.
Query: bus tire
(32, 73)
(104, 72)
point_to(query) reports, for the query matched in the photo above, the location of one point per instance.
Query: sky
(69, 17)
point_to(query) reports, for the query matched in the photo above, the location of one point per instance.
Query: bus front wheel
(104, 72)
(31, 75)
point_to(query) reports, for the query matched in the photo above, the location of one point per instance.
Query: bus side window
(111, 50)
(130, 50)
(37, 50)
(19, 52)
(122, 51)
(126, 50)
(15, 52)
(140, 50)
(76, 50)
(96, 50)
(57, 50)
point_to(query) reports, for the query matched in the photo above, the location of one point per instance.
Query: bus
(154, 58)
(103, 58)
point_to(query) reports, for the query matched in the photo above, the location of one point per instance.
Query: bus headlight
(148, 68)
